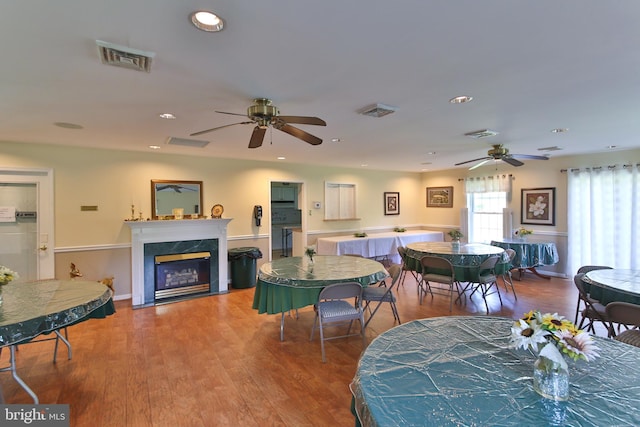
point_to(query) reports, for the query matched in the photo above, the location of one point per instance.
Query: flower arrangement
(455, 234)
(7, 275)
(359, 234)
(399, 230)
(310, 252)
(552, 337)
(522, 232)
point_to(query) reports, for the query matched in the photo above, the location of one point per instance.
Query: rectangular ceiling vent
(126, 57)
(187, 142)
(377, 110)
(484, 133)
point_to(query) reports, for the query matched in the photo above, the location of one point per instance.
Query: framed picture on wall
(391, 203)
(439, 197)
(539, 206)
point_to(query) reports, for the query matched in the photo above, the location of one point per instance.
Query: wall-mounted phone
(257, 214)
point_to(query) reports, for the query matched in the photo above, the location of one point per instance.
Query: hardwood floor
(216, 361)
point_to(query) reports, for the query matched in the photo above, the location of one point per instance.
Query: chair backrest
(623, 313)
(341, 291)
(489, 263)
(577, 280)
(430, 262)
(394, 271)
(511, 254)
(402, 251)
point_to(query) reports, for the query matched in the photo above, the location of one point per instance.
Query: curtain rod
(596, 168)
(504, 175)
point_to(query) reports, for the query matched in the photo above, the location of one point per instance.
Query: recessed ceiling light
(154, 147)
(207, 21)
(460, 99)
(611, 147)
(68, 125)
(364, 165)
(559, 130)
(281, 158)
(335, 139)
(168, 116)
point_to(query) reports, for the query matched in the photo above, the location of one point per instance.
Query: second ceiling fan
(263, 114)
(499, 152)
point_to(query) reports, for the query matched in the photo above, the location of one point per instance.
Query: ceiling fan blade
(528, 156)
(298, 133)
(257, 136)
(219, 127)
(512, 161)
(233, 114)
(471, 161)
(479, 164)
(302, 120)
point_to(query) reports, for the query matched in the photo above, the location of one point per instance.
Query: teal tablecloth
(530, 254)
(295, 282)
(454, 371)
(29, 309)
(465, 260)
(613, 285)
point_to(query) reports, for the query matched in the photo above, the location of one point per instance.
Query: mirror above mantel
(167, 195)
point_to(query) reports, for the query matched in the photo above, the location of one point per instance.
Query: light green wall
(113, 180)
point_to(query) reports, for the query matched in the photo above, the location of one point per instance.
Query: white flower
(538, 207)
(526, 336)
(550, 351)
(578, 346)
(7, 275)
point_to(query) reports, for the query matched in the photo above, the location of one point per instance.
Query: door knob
(43, 247)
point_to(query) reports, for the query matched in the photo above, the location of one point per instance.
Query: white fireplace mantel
(143, 232)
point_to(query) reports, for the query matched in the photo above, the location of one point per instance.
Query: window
(339, 201)
(485, 215)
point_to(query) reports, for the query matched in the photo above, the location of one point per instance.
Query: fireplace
(151, 239)
(179, 275)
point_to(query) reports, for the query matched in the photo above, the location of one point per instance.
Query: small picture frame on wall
(439, 197)
(392, 203)
(538, 206)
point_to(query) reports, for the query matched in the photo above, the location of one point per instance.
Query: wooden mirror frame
(191, 203)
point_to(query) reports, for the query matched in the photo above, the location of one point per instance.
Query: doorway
(286, 218)
(26, 222)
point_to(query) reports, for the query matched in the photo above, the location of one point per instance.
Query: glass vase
(550, 380)
(455, 245)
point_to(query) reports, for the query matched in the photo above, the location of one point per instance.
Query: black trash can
(243, 267)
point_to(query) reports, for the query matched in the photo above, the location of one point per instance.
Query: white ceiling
(530, 66)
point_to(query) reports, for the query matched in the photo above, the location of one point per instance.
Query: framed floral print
(539, 206)
(391, 203)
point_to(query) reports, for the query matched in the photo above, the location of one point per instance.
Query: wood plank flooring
(215, 361)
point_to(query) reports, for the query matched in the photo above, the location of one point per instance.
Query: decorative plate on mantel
(216, 211)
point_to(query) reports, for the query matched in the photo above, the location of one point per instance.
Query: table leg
(282, 327)
(534, 271)
(14, 374)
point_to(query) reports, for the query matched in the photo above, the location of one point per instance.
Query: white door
(26, 222)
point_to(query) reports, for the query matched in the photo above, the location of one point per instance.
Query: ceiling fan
(263, 115)
(498, 152)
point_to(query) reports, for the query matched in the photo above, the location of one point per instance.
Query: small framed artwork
(391, 203)
(539, 206)
(439, 197)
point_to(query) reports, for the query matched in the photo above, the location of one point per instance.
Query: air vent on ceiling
(484, 133)
(126, 57)
(377, 110)
(187, 142)
(554, 148)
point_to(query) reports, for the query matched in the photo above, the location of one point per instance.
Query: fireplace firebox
(177, 275)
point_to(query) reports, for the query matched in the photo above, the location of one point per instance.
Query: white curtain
(604, 217)
(488, 184)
